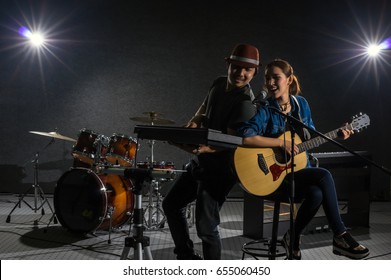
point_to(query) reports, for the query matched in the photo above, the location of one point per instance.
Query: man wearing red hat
(210, 176)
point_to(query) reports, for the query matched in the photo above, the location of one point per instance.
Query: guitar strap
(306, 133)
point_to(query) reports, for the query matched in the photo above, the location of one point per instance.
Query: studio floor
(29, 235)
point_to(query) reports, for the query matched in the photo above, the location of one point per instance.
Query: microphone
(263, 94)
(260, 99)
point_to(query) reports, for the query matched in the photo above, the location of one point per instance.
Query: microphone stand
(292, 194)
(288, 119)
(295, 122)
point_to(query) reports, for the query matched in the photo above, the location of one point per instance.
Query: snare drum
(88, 145)
(84, 201)
(122, 150)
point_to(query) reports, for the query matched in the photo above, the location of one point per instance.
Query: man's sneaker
(193, 256)
(345, 245)
(296, 254)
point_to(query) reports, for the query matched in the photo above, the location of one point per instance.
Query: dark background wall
(108, 61)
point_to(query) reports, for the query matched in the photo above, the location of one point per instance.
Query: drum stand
(155, 217)
(38, 193)
(138, 241)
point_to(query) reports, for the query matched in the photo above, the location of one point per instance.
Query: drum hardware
(38, 192)
(53, 219)
(155, 173)
(110, 217)
(154, 214)
(154, 217)
(101, 143)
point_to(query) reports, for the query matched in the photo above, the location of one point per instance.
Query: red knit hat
(244, 55)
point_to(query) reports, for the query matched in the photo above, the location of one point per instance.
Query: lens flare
(23, 31)
(376, 49)
(37, 35)
(373, 50)
(386, 44)
(35, 38)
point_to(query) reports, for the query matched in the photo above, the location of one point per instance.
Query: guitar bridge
(262, 164)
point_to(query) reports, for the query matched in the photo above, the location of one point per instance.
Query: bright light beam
(36, 38)
(376, 49)
(356, 51)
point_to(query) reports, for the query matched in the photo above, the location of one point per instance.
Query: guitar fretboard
(317, 141)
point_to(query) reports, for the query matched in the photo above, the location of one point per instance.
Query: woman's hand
(344, 133)
(287, 146)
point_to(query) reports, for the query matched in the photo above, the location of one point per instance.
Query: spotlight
(375, 49)
(36, 38)
(36, 41)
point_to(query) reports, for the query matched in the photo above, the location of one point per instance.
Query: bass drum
(84, 201)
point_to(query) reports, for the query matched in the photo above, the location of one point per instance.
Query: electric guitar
(262, 170)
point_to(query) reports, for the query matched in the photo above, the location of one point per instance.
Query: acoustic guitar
(262, 170)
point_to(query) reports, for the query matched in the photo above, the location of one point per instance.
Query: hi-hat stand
(154, 214)
(38, 192)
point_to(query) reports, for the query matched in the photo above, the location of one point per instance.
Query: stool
(265, 247)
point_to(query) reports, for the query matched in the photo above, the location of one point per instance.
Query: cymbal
(152, 118)
(54, 134)
(149, 120)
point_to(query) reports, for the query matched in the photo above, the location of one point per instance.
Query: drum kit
(89, 197)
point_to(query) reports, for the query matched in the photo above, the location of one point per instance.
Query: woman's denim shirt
(268, 123)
